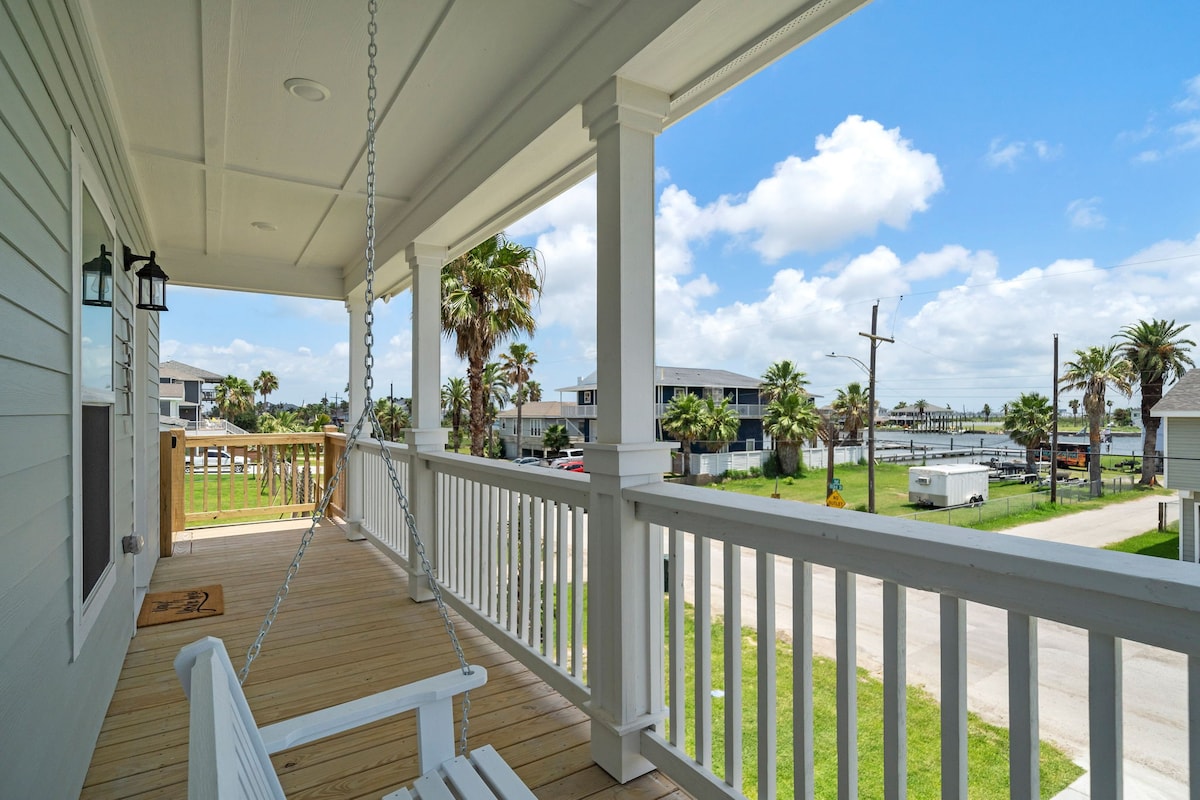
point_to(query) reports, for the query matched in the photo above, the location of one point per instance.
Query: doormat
(160, 608)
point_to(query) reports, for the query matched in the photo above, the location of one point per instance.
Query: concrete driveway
(1155, 696)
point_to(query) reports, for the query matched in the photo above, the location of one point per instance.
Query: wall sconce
(97, 280)
(152, 282)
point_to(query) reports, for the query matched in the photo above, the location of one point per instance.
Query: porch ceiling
(479, 117)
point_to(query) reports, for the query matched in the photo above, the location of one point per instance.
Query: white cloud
(305, 374)
(1171, 140)
(1085, 214)
(1191, 99)
(1002, 154)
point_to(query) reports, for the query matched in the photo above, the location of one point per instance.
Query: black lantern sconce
(98, 280)
(152, 282)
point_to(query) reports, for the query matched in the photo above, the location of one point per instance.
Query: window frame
(86, 611)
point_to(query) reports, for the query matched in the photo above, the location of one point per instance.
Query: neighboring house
(535, 419)
(185, 392)
(931, 418)
(1179, 410)
(742, 391)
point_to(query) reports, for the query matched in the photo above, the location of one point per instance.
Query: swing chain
(368, 413)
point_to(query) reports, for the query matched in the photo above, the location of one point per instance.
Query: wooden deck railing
(225, 478)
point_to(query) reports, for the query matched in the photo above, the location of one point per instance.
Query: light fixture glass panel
(96, 322)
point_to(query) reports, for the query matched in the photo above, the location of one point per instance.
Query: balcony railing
(744, 410)
(1057, 624)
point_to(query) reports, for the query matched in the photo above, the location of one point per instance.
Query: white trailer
(948, 485)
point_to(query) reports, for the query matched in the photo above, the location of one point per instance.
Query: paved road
(1155, 698)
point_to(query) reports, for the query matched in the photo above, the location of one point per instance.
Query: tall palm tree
(987, 413)
(853, 405)
(517, 364)
(921, 406)
(1093, 371)
(721, 423)
(790, 419)
(488, 295)
(1158, 354)
(456, 400)
(265, 384)
(532, 391)
(683, 418)
(782, 378)
(1027, 422)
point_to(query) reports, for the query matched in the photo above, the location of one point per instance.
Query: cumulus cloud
(1191, 98)
(1085, 214)
(1169, 140)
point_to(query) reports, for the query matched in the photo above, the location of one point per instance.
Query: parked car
(214, 459)
(570, 465)
(570, 454)
(525, 461)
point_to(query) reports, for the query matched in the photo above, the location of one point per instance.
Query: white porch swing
(229, 755)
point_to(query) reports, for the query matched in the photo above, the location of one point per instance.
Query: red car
(575, 465)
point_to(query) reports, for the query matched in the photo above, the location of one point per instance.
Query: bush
(756, 472)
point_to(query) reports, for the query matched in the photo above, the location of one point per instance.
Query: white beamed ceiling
(479, 116)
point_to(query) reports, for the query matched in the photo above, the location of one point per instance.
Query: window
(95, 386)
(535, 426)
(587, 398)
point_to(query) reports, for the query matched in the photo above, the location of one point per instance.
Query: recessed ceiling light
(307, 89)
(263, 226)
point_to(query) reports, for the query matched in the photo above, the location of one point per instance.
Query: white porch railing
(511, 544)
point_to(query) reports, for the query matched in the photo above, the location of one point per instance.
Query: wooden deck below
(347, 629)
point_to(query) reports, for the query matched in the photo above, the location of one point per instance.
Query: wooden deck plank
(347, 629)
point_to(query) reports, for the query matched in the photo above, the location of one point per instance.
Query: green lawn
(1156, 543)
(987, 760)
(229, 491)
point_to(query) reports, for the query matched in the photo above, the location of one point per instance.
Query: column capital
(419, 254)
(620, 101)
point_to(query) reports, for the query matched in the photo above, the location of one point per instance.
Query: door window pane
(96, 323)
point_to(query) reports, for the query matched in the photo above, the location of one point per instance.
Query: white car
(214, 459)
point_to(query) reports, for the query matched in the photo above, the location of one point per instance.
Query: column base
(618, 751)
(353, 530)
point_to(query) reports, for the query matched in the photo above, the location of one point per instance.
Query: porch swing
(229, 755)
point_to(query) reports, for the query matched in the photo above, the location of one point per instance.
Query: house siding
(1187, 530)
(53, 700)
(1182, 438)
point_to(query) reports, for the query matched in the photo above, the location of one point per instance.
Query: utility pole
(875, 340)
(1054, 431)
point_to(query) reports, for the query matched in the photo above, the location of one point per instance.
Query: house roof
(683, 376)
(546, 409)
(1182, 399)
(186, 372)
(247, 186)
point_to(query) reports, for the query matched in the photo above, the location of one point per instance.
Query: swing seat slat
(229, 755)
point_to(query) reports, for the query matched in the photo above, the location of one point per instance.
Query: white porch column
(625, 666)
(426, 434)
(357, 307)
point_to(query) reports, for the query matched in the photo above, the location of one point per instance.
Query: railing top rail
(1142, 599)
(244, 439)
(552, 484)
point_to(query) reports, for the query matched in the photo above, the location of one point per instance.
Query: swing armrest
(429, 697)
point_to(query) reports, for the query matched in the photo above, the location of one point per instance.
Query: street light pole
(870, 370)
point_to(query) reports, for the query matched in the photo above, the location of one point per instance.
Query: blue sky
(991, 174)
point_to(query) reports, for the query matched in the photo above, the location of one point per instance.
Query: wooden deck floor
(347, 629)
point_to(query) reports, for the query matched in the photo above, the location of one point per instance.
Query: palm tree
(852, 405)
(1158, 354)
(487, 297)
(392, 416)
(265, 384)
(790, 419)
(455, 400)
(1094, 370)
(532, 392)
(517, 364)
(921, 406)
(721, 423)
(1074, 404)
(555, 438)
(1027, 422)
(234, 396)
(496, 397)
(782, 378)
(683, 418)
(987, 413)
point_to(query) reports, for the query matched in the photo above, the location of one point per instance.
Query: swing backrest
(226, 754)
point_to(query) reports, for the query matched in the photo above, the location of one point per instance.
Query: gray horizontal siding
(1187, 530)
(50, 88)
(1183, 453)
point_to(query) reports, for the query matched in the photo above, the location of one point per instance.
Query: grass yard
(987, 759)
(229, 491)
(1156, 543)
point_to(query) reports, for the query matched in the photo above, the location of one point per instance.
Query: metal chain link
(368, 413)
